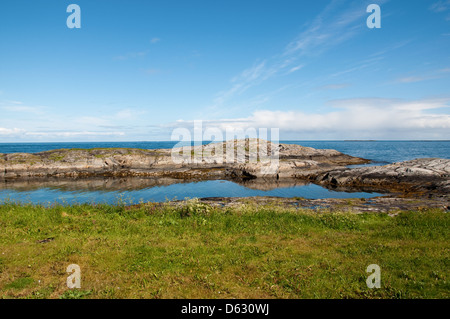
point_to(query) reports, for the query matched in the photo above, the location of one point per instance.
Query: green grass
(198, 251)
(20, 283)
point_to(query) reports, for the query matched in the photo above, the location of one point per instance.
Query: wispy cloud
(25, 134)
(440, 6)
(431, 75)
(335, 86)
(92, 120)
(152, 71)
(126, 114)
(296, 68)
(131, 55)
(73, 134)
(155, 40)
(13, 102)
(248, 78)
(412, 79)
(19, 107)
(326, 31)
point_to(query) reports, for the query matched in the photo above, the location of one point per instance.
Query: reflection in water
(132, 183)
(109, 190)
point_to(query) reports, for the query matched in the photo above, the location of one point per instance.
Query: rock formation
(199, 162)
(425, 176)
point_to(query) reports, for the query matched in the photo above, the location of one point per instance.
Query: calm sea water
(380, 152)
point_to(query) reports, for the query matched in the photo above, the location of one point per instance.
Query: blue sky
(136, 70)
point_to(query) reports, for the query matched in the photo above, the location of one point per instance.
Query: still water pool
(71, 193)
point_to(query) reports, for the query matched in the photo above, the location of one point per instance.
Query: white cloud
(155, 40)
(351, 118)
(10, 132)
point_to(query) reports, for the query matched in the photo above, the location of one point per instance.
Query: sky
(136, 70)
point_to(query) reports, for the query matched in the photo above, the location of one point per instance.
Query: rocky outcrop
(249, 159)
(426, 176)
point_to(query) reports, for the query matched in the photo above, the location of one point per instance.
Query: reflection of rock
(138, 183)
(89, 184)
(420, 176)
(131, 183)
(266, 184)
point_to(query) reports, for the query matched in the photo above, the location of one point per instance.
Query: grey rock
(424, 176)
(205, 162)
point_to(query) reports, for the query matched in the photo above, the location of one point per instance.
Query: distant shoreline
(205, 142)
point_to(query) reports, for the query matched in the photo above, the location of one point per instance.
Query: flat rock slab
(425, 176)
(391, 205)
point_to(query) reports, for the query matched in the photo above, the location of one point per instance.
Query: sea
(380, 152)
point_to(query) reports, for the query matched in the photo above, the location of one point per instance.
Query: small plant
(339, 221)
(75, 294)
(194, 207)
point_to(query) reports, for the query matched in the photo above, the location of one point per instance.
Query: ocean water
(380, 152)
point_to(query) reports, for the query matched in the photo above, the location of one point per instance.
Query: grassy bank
(197, 251)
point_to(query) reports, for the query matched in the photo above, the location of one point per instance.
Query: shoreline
(382, 204)
(420, 178)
